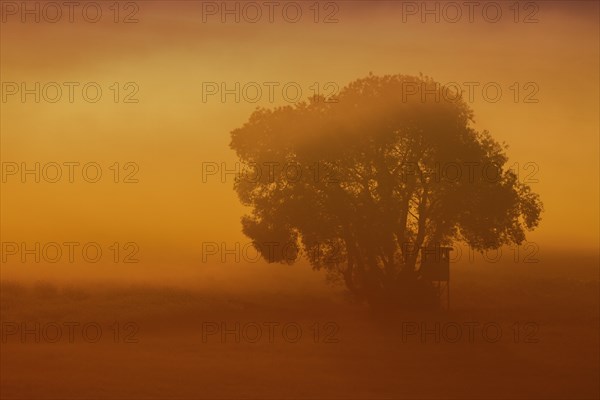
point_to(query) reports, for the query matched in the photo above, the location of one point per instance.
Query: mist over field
(168, 339)
(299, 200)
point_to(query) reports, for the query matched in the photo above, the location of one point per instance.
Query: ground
(534, 336)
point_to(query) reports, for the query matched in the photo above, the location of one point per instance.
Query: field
(515, 331)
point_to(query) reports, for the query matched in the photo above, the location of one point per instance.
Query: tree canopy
(360, 182)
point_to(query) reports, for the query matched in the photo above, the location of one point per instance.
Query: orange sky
(170, 132)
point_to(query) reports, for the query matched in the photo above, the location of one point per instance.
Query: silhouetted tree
(360, 182)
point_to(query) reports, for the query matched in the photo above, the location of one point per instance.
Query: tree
(360, 182)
